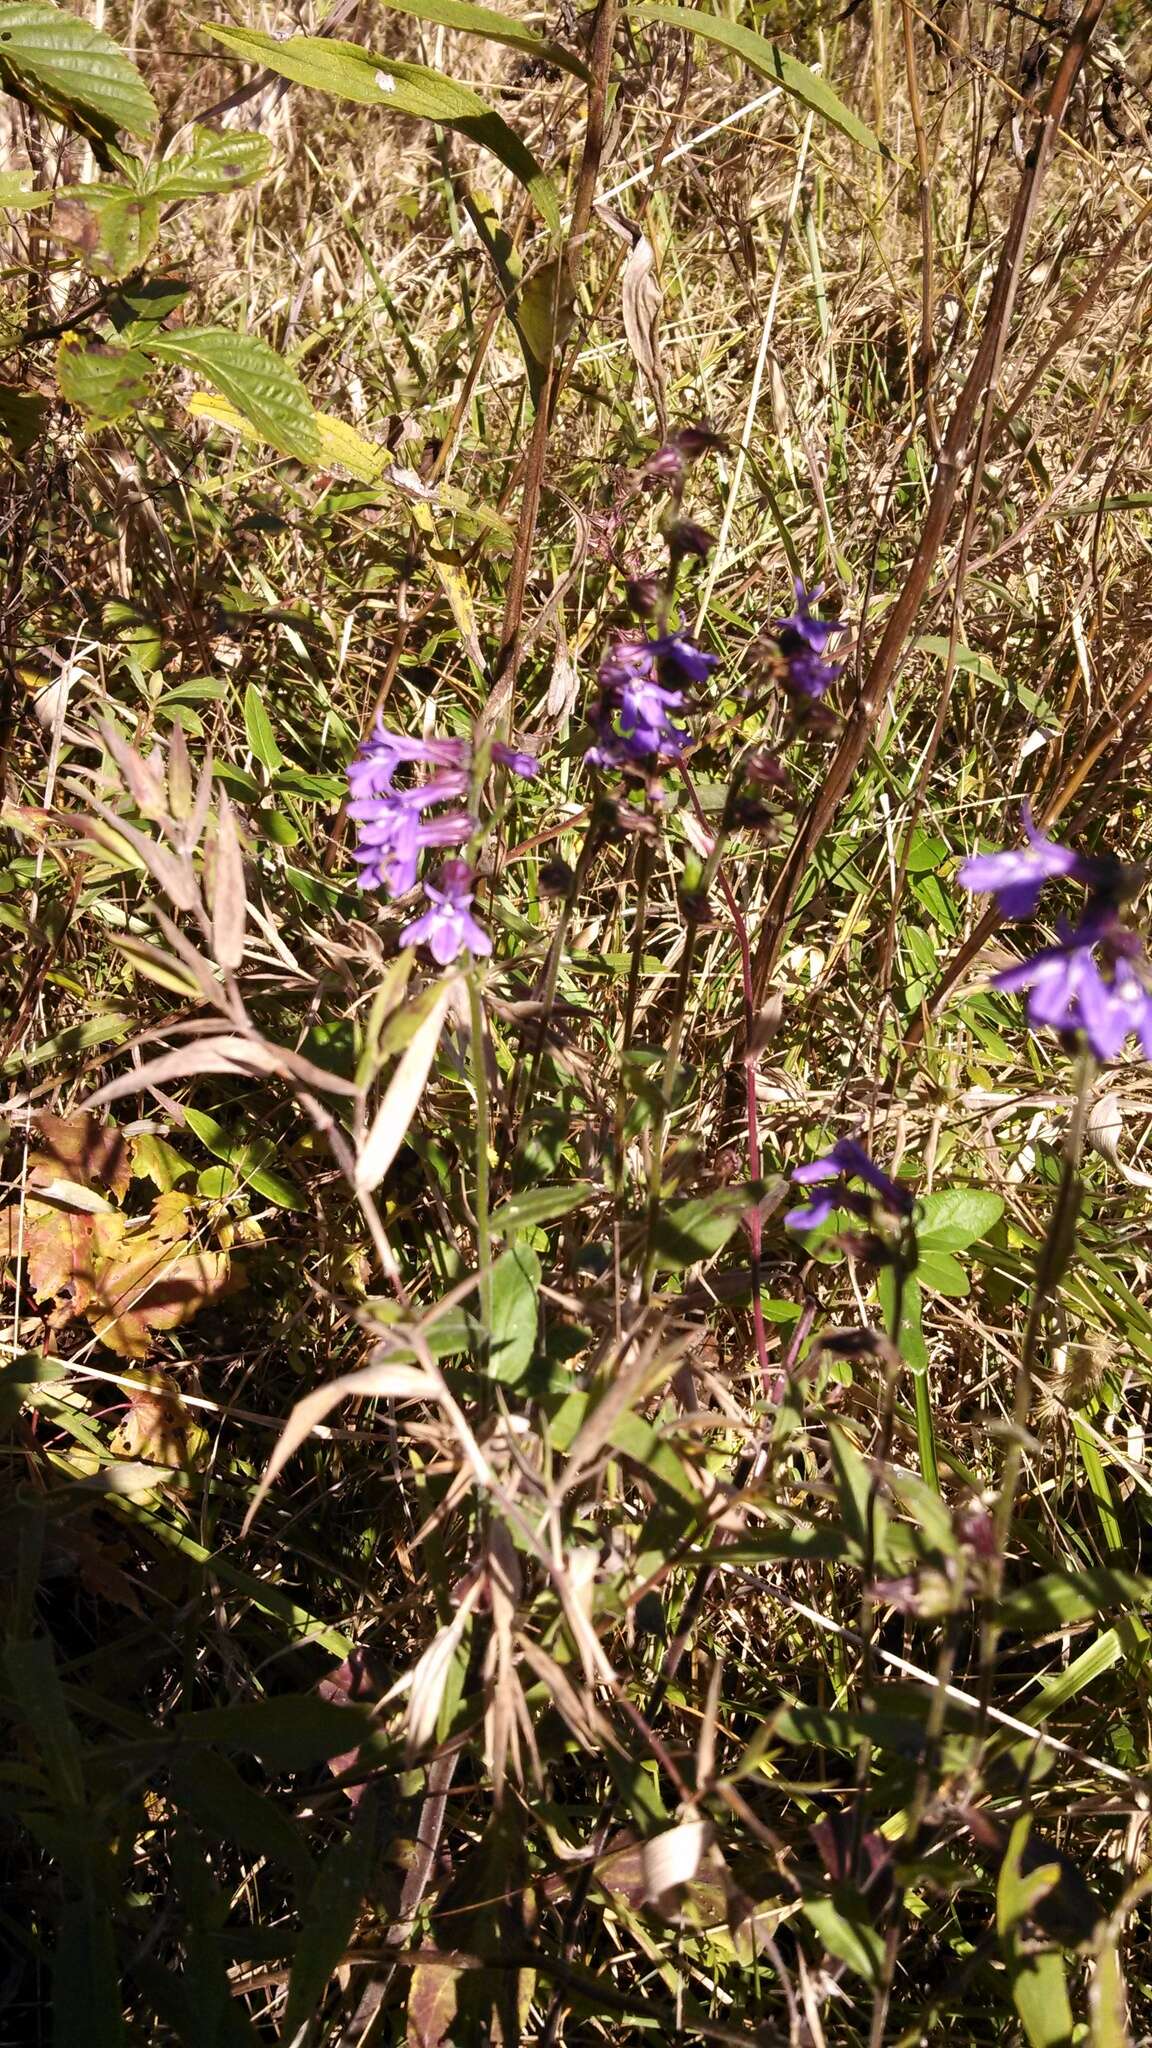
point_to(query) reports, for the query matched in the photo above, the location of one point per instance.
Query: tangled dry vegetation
(645, 1623)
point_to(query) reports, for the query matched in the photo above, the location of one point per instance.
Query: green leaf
(22, 417)
(328, 1922)
(950, 1221)
(862, 1508)
(30, 1673)
(1060, 1598)
(497, 28)
(212, 1791)
(248, 1161)
(965, 657)
(102, 378)
(1039, 1982)
(258, 727)
(215, 163)
(1021, 1885)
(844, 1927)
(940, 1273)
(352, 73)
(688, 1232)
(257, 381)
(85, 1986)
(515, 1314)
(909, 1338)
(72, 71)
(536, 1206)
(769, 60)
(288, 1734)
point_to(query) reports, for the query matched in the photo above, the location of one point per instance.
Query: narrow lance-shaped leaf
(769, 60)
(352, 73)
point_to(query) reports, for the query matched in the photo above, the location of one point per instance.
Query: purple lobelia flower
(803, 641)
(846, 1161)
(632, 715)
(1067, 990)
(1016, 878)
(448, 928)
(396, 825)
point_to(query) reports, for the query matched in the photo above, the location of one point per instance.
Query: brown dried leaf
(431, 2003)
(157, 1427)
(152, 1284)
(179, 773)
(80, 1148)
(143, 781)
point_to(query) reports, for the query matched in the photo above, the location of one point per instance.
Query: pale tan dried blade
(202, 804)
(195, 962)
(642, 299)
(229, 895)
(200, 1057)
(430, 1678)
(174, 873)
(144, 784)
(179, 773)
(384, 1382)
(673, 1858)
(259, 1056)
(402, 1094)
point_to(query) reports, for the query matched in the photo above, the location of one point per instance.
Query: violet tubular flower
(448, 927)
(395, 825)
(829, 1177)
(803, 641)
(1017, 877)
(1066, 989)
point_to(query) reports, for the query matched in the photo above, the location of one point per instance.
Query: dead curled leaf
(130, 1278)
(158, 1427)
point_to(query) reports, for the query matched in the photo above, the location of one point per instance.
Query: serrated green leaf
(956, 1218)
(769, 60)
(215, 163)
(113, 228)
(258, 727)
(72, 71)
(251, 376)
(102, 378)
(353, 73)
(248, 1161)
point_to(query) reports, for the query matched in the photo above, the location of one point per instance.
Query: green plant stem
(926, 1431)
(482, 1203)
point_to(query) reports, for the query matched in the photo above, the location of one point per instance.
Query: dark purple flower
(676, 651)
(1016, 878)
(846, 1161)
(802, 641)
(688, 537)
(449, 928)
(392, 837)
(520, 764)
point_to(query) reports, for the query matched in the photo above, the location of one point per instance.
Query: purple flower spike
(520, 764)
(1017, 878)
(631, 717)
(449, 928)
(395, 825)
(846, 1161)
(802, 641)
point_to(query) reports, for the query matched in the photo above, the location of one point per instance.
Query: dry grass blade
(229, 895)
(403, 1093)
(379, 1382)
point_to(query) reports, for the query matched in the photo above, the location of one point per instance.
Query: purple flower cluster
(1096, 979)
(803, 643)
(395, 825)
(641, 684)
(846, 1161)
